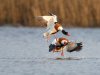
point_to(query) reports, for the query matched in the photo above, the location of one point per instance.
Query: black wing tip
(50, 13)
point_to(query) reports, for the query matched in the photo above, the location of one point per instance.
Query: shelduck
(61, 44)
(52, 26)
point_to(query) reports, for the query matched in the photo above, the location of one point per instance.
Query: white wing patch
(50, 24)
(50, 20)
(47, 18)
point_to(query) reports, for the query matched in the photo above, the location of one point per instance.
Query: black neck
(64, 32)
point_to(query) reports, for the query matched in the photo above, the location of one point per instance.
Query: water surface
(24, 51)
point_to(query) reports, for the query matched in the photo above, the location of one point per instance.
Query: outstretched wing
(74, 46)
(46, 18)
(50, 20)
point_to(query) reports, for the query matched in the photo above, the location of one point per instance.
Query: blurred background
(24, 51)
(71, 13)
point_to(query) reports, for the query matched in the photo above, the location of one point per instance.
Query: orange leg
(53, 50)
(62, 53)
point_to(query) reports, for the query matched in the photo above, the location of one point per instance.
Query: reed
(74, 13)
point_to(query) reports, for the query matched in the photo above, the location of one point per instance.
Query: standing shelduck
(60, 44)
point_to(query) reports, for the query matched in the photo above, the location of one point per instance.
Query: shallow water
(23, 51)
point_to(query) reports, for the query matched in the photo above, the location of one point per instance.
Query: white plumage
(50, 20)
(52, 26)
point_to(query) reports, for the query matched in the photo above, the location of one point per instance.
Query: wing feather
(50, 20)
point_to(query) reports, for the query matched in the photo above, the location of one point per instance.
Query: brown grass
(81, 13)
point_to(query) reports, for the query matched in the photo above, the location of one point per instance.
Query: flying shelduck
(53, 26)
